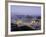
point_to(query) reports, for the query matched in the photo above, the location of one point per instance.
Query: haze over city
(25, 10)
(25, 18)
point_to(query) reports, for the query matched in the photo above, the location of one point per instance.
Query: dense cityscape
(24, 18)
(25, 22)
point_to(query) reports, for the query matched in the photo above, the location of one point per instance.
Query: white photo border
(23, 32)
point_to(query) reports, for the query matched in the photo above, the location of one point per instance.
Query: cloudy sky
(25, 10)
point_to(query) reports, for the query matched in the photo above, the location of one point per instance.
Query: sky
(25, 10)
